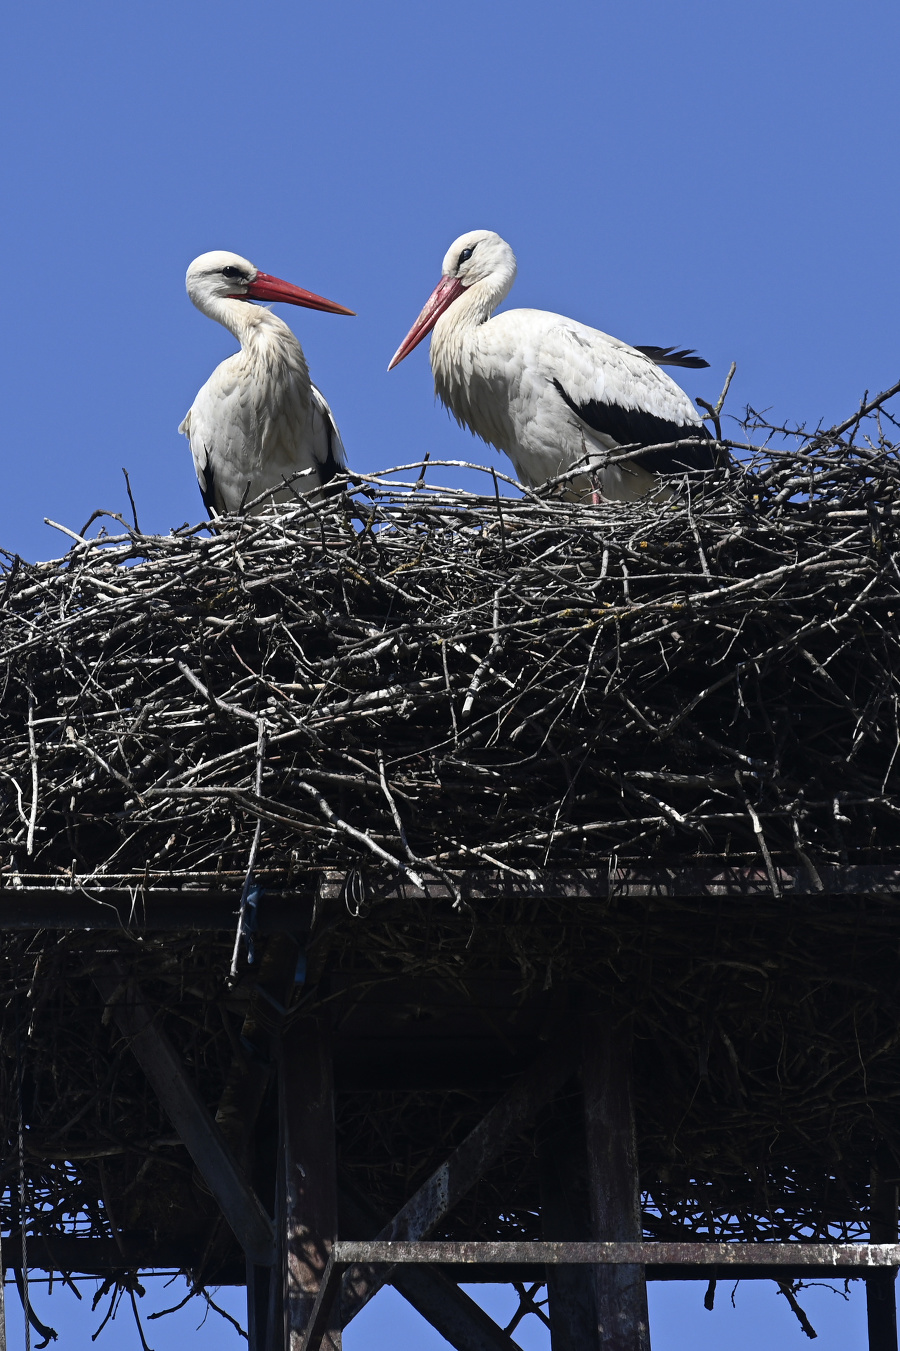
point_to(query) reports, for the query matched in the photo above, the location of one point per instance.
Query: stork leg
(620, 1292)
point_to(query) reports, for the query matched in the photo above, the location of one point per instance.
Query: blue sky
(717, 176)
(759, 1315)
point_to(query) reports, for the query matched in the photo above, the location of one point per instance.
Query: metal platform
(305, 1282)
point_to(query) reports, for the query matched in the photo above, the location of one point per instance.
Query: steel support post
(881, 1302)
(562, 1165)
(308, 1194)
(620, 1292)
(264, 1332)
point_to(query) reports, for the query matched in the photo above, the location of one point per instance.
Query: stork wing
(618, 393)
(202, 467)
(634, 427)
(668, 356)
(329, 448)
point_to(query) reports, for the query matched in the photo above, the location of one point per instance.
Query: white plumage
(547, 390)
(259, 420)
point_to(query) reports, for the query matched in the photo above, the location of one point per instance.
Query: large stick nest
(432, 677)
(420, 679)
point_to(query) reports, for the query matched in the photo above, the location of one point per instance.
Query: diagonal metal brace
(454, 1314)
(329, 1288)
(481, 1148)
(180, 1100)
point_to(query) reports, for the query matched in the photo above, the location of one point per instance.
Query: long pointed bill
(264, 287)
(443, 295)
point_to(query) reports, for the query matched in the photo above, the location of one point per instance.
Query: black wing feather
(633, 427)
(329, 466)
(668, 356)
(207, 485)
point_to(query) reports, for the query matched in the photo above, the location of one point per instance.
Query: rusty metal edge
(727, 1255)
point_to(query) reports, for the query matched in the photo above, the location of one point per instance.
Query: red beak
(441, 298)
(264, 287)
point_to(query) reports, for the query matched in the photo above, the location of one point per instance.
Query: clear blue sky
(720, 176)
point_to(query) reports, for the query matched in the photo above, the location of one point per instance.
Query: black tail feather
(670, 356)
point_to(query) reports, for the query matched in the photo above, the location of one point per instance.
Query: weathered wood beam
(481, 1148)
(881, 1301)
(308, 1217)
(188, 1113)
(453, 1313)
(620, 1292)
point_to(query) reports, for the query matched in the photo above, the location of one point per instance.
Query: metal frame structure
(304, 1281)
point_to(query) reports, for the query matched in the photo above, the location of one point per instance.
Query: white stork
(259, 420)
(547, 390)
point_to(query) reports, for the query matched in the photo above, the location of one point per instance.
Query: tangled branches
(408, 680)
(421, 678)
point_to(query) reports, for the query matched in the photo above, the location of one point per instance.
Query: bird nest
(410, 680)
(416, 678)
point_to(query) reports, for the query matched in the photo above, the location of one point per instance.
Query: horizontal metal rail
(150, 908)
(634, 881)
(33, 901)
(706, 1259)
(844, 1255)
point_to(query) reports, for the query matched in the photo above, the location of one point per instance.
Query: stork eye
(465, 255)
(233, 274)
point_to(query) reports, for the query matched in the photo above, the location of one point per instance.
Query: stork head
(227, 276)
(479, 258)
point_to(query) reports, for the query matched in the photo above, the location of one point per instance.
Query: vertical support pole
(881, 1303)
(620, 1292)
(309, 1204)
(265, 1320)
(260, 1322)
(2, 1297)
(564, 1216)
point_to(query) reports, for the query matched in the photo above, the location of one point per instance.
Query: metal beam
(307, 1216)
(560, 1150)
(620, 1292)
(321, 1313)
(240, 1105)
(453, 1313)
(480, 1262)
(881, 1302)
(138, 909)
(481, 1148)
(132, 904)
(66, 1252)
(634, 882)
(188, 1113)
(728, 1258)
